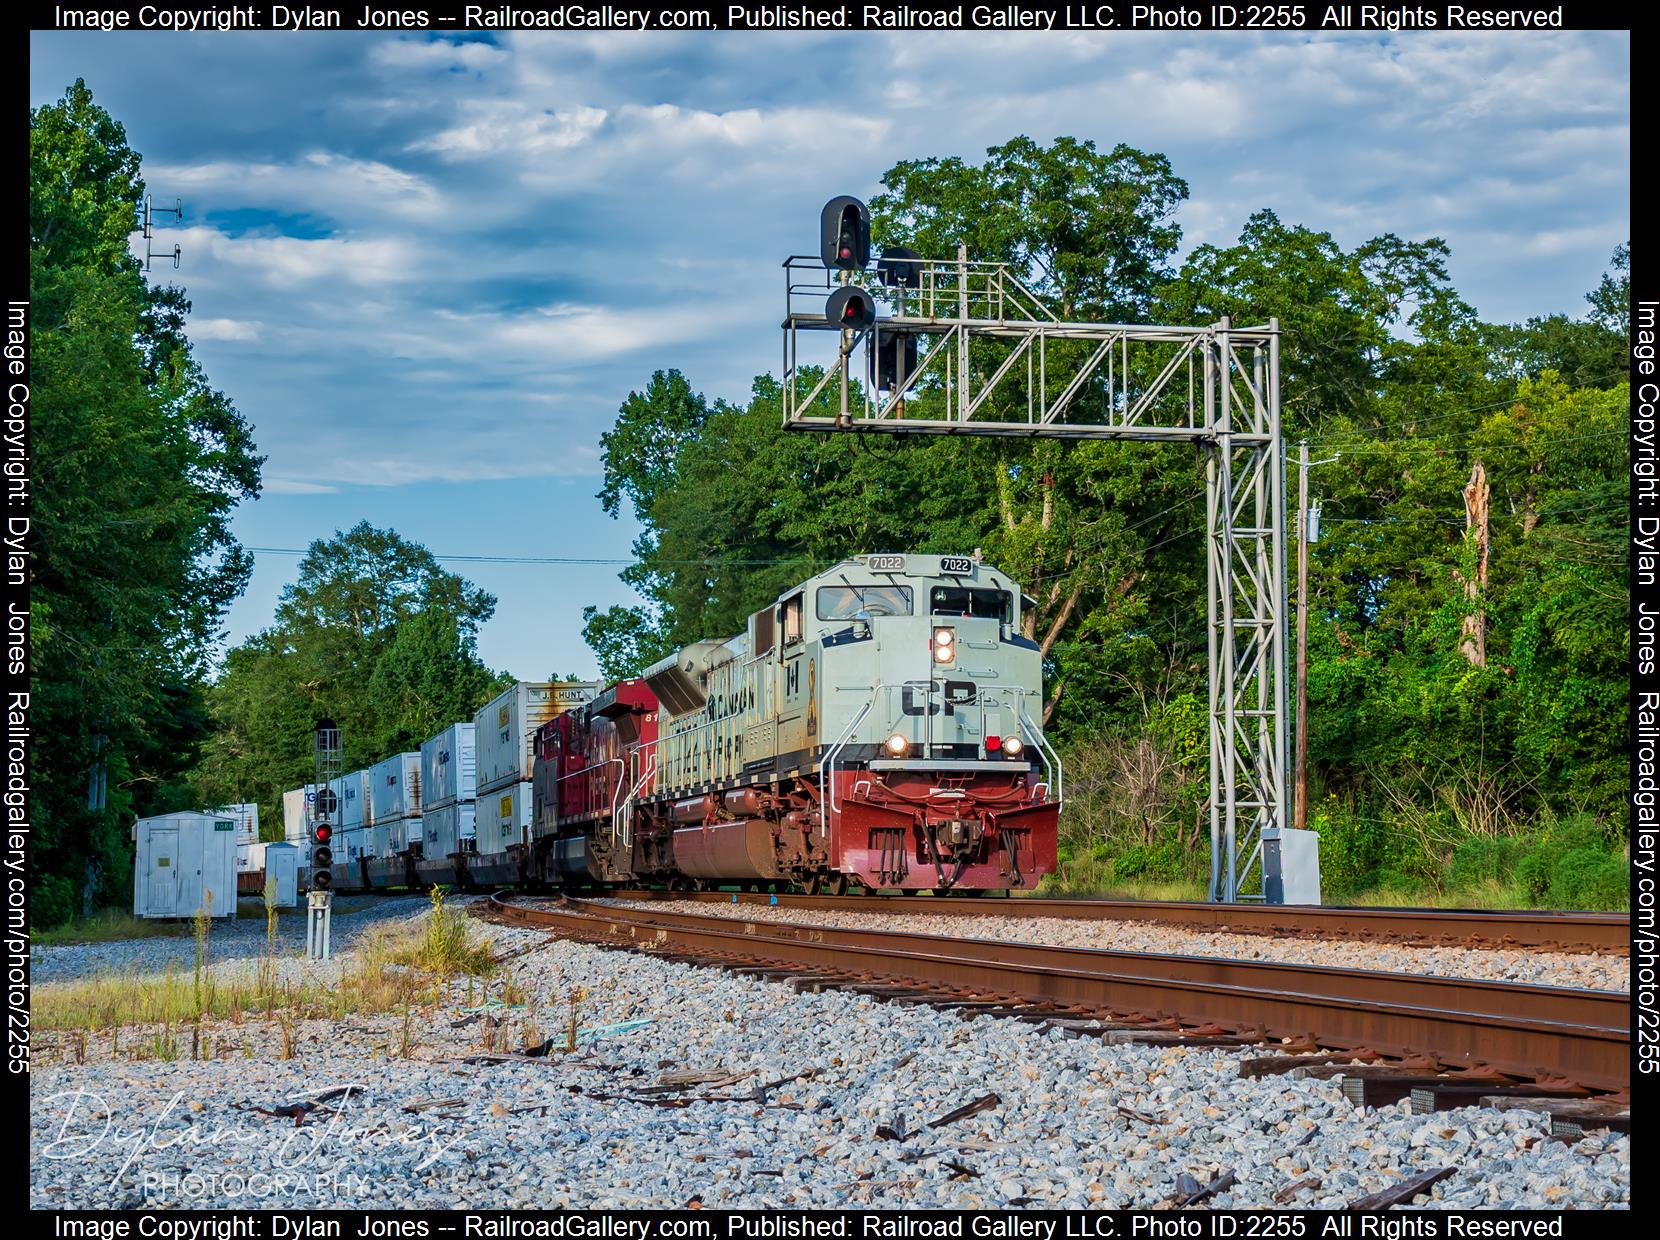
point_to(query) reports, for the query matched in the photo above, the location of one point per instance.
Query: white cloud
(289, 262)
(224, 329)
(319, 182)
(505, 126)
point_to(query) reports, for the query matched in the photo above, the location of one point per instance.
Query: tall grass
(387, 971)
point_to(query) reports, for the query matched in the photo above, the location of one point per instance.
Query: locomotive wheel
(838, 885)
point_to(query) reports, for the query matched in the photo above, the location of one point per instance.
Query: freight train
(880, 724)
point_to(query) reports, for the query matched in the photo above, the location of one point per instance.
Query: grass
(107, 926)
(388, 971)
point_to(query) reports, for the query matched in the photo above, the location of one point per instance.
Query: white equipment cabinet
(282, 867)
(181, 858)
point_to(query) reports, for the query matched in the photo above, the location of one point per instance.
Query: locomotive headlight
(945, 645)
(1013, 746)
(897, 746)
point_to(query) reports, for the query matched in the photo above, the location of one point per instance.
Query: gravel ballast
(1574, 969)
(1076, 1122)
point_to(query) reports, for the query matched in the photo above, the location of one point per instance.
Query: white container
(181, 858)
(445, 827)
(400, 834)
(296, 813)
(250, 858)
(353, 844)
(246, 817)
(448, 767)
(504, 817)
(351, 795)
(282, 869)
(504, 731)
(395, 788)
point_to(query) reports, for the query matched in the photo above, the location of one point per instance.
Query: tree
(139, 463)
(372, 633)
(1091, 232)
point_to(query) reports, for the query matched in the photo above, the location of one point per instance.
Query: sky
(429, 270)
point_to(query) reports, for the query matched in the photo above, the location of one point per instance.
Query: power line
(560, 560)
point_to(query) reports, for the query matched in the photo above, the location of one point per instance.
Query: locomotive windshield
(968, 601)
(846, 602)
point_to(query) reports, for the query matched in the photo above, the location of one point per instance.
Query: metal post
(962, 332)
(1301, 812)
(320, 908)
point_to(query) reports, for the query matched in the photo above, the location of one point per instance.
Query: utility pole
(1308, 530)
(1299, 818)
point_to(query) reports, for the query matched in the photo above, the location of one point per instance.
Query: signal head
(844, 234)
(900, 267)
(850, 307)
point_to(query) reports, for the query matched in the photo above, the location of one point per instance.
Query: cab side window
(789, 619)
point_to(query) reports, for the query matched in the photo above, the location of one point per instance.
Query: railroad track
(1490, 1031)
(1515, 928)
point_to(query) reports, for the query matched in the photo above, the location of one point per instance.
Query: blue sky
(428, 271)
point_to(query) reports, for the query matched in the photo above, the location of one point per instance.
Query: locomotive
(879, 724)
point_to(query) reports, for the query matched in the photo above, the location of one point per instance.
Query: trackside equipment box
(182, 859)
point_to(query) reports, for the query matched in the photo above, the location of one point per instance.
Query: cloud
(510, 127)
(223, 329)
(450, 259)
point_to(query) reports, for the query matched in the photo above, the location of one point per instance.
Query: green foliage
(373, 634)
(139, 463)
(1434, 771)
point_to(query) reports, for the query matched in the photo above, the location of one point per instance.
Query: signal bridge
(966, 348)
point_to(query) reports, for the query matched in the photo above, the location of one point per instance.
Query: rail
(1531, 1032)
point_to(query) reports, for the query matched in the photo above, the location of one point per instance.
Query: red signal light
(322, 833)
(993, 744)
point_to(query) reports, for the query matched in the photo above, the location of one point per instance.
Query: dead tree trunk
(1473, 645)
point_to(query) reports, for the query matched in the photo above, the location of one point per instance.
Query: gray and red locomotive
(879, 724)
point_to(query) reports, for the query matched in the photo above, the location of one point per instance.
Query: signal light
(993, 744)
(895, 359)
(900, 267)
(322, 856)
(844, 234)
(851, 308)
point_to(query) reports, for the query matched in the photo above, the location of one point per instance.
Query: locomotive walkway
(1495, 1034)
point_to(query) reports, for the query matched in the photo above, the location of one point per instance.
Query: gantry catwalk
(968, 349)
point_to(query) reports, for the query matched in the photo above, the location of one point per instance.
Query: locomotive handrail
(628, 803)
(649, 769)
(827, 768)
(1045, 752)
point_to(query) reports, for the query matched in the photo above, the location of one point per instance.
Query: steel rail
(1527, 1031)
(1564, 931)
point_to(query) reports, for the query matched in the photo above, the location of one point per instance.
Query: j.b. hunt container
(504, 817)
(448, 767)
(504, 731)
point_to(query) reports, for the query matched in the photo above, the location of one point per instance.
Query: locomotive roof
(881, 568)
